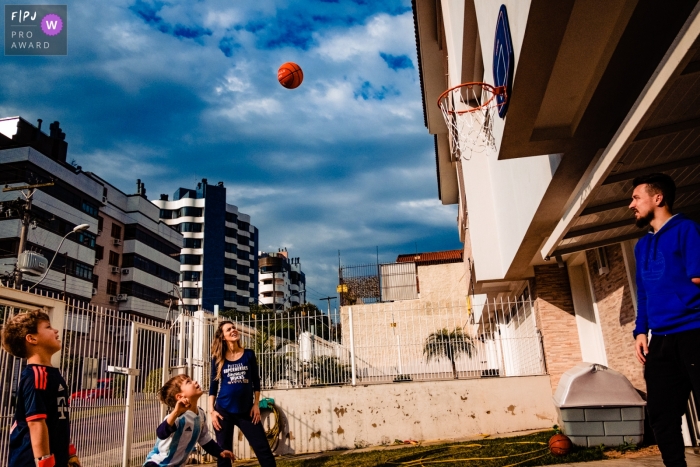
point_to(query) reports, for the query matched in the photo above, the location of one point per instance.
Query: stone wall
(556, 320)
(617, 314)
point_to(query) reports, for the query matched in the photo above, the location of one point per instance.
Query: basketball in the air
(559, 444)
(290, 75)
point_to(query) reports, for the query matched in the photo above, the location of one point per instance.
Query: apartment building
(218, 260)
(282, 282)
(137, 256)
(124, 260)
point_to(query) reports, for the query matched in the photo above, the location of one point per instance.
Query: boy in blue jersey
(184, 427)
(668, 305)
(40, 431)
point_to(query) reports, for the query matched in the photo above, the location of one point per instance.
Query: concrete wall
(326, 418)
(389, 337)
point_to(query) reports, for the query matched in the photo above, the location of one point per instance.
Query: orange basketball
(290, 75)
(559, 444)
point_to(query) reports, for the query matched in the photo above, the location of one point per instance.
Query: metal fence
(375, 283)
(93, 339)
(399, 341)
(113, 416)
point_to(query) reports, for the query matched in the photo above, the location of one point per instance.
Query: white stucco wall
(502, 195)
(325, 418)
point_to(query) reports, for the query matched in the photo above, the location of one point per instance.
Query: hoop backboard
(503, 60)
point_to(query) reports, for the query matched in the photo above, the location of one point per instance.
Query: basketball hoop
(469, 112)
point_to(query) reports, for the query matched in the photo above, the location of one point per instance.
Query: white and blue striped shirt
(189, 429)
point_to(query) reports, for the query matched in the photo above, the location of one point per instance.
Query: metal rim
(495, 91)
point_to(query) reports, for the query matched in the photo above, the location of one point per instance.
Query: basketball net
(469, 111)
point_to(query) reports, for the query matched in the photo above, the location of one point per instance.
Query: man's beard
(644, 221)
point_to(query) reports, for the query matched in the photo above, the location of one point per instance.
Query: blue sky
(173, 92)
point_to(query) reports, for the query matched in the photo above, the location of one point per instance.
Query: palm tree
(449, 344)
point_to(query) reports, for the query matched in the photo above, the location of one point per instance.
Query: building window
(116, 231)
(100, 223)
(231, 217)
(230, 295)
(230, 279)
(190, 211)
(131, 260)
(89, 208)
(189, 276)
(83, 271)
(230, 263)
(99, 252)
(189, 227)
(231, 232)
(86, 238)
(113, 258)
(134, 232)
(193, 243)
(95, 281)
(111, 287)
(190, 292)
(243, 270)
(190, 259)
(230, 247)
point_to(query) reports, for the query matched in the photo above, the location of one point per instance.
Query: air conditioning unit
(32, 263)
(115, 269)
(116, 241)
(125, 271)
(112, 299)
(99, 231)
(94, 291)
(97, 261)
(104, 200)
(122, 297)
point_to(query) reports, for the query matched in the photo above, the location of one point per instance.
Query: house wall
(617, 314)
(556, 320)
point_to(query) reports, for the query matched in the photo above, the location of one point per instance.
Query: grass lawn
(501, 452)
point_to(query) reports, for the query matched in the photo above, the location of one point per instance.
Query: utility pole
(328, 299)
(26, 219)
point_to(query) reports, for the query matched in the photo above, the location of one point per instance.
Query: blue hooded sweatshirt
(667, 300)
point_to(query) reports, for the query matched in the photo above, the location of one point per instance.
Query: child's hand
(228, 455)
(74, 461)
(181, 406)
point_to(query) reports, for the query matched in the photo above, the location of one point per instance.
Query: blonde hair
(219, 347)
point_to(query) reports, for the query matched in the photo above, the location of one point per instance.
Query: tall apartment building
(137, 263)
(282, 282)
(218, 261)
(124, 234)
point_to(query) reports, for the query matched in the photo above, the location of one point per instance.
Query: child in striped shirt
(184, 427)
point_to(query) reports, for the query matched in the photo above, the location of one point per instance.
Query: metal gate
(113, 415)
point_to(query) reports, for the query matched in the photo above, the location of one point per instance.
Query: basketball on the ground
(290, 75)
(559, 444)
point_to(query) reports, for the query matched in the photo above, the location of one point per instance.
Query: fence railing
(378, 343)
(375, 283)
(93, 339)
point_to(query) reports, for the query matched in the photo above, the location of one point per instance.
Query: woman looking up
(234, 394)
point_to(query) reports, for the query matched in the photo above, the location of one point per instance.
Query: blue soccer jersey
(42, 395)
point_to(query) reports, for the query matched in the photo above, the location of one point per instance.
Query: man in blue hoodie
(668, 305)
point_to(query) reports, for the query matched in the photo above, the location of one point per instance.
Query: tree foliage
(448, 344)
